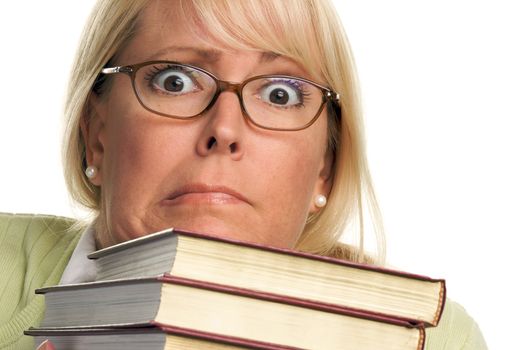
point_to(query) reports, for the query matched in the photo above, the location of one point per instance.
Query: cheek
(303, 161)
(140, 153)
(136, 146)
(291, 171)
(300, 173)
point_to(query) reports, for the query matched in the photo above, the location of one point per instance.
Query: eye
(282, 93)
(173, 80)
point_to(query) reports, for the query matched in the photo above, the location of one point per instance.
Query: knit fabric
(456, 330)
(35, 249)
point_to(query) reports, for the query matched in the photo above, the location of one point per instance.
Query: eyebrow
(209, 55)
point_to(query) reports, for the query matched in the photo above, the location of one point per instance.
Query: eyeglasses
(182, 91)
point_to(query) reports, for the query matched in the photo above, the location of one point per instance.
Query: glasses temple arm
(118, 69)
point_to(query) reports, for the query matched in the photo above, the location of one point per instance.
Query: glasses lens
(281, 102)
(174, 89)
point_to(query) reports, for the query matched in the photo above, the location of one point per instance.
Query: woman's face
(215, 174)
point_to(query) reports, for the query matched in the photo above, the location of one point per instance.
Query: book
(387, 293)
(223, 310)
(159, 337)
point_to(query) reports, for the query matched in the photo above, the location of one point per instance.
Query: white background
(444, 85)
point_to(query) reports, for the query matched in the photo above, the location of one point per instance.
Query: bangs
(285, 28)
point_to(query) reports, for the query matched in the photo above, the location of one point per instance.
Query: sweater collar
(81, 269)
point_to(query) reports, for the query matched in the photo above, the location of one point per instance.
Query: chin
(223, 230)
(216, 228)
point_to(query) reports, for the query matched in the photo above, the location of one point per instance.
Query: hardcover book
(225, 311)
(335, 282)
(160, 337)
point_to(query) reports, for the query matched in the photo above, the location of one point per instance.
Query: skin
(247, 183)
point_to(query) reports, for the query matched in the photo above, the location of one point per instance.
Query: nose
(224, 131)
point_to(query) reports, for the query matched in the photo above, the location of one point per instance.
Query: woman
(227, 117)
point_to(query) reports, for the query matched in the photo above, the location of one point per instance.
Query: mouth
(199, 193)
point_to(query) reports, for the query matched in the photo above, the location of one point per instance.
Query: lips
(205, 194)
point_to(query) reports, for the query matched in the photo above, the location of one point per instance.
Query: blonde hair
(271, 25)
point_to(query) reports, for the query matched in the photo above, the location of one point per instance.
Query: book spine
(422, 339)
(440, 306)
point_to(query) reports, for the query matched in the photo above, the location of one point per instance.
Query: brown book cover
(434, 303)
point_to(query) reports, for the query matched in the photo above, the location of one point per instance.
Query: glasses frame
(328, 95)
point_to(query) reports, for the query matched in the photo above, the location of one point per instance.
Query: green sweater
(35, 249)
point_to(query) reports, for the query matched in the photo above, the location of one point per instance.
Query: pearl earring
(91, 171)
(320, 201)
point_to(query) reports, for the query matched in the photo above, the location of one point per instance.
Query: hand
(46, 345)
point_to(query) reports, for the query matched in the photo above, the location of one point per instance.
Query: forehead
(167, 24)
(168, 30)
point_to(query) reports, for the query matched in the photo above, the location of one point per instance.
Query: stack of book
(182, 290)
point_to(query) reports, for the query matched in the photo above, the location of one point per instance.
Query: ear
(92, 127)
(325, 180)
